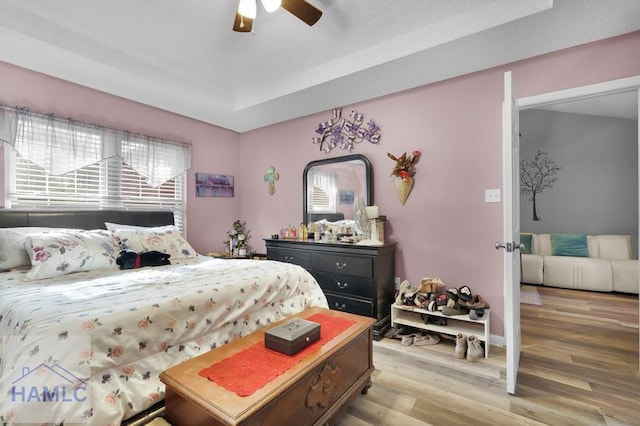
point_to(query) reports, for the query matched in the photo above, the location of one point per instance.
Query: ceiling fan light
(247, 8)
(271, 5)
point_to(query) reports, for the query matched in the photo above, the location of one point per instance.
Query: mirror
(330, 187)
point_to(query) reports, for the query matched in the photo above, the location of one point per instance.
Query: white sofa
(609, 267)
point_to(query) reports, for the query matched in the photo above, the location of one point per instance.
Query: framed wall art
(346, 197)
(212, 185)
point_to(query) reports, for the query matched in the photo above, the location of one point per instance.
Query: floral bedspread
(89, 347)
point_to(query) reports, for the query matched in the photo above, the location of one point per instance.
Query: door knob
(506, 246)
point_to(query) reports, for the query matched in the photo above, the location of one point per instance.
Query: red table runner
(250, 369)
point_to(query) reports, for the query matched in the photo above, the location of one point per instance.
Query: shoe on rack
(452, 294)
(476, 301)
(408, 339)
(426, 339)
(461, 346)
(474, 349)
(396, 332)
(406, 294)
(439, 321)
(441, 300)
(454, 311)
(421, 301)
(464, 293)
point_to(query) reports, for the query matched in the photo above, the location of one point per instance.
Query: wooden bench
(315, 391)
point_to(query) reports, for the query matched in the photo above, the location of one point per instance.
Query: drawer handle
(288, 259)
(341, 285)
(344, 265)
(341, 307)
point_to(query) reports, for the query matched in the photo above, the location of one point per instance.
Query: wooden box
(293, 336)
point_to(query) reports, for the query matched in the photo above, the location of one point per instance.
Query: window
(60, 163)
(104, 185)
(322, 198)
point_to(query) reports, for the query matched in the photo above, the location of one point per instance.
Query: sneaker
(461, 346)
(474, 349)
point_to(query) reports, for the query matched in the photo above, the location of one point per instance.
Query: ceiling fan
(246, 13)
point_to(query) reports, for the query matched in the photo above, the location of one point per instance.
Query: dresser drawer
(345, 284)
(343, 264)
(298, 257)
(347, 304)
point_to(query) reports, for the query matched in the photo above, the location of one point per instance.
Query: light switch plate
(492, 195)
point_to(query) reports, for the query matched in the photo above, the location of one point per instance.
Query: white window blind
(103, 185)
(322, 198)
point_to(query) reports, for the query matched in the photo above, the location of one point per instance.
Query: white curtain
(63, 145)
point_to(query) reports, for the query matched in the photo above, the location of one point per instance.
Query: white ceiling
(617, 105)
(182, 56)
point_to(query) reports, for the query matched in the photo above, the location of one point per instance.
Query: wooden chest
(314, 391)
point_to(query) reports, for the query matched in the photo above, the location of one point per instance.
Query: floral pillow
(59, 253)
(165, 239)
(12, 252)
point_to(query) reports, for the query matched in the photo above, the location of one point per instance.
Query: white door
(511, 230)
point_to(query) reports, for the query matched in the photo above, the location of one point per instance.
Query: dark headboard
(331, 217)
(82, 219)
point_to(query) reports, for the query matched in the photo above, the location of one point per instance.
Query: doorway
(574, 94)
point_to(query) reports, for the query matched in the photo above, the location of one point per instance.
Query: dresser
(355, 279)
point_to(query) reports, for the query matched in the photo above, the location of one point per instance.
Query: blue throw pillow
(569, 245)
(525, 240)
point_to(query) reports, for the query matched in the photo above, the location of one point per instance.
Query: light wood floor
(579, 366)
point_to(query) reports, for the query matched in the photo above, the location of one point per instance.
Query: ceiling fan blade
(242, 24)
(302, 10)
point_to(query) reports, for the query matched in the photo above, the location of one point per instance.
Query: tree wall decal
(536, 175)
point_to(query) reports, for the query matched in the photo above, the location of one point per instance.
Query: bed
(88, 346)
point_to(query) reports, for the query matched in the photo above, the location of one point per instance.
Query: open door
(511, 230)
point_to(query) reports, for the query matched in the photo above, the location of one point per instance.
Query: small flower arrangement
(238, 237)
(404, 164)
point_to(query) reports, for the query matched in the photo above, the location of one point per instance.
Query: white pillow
(57, 253)
(113, 226)
(165, 239)
(12, 251)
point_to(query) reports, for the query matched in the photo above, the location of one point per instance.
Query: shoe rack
(411, 316)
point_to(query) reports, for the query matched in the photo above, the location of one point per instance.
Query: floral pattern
(58, 253)
(146, 320)
(165, 239)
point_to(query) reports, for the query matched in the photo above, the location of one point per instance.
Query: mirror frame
(368, 179)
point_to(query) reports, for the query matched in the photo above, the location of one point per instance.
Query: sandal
(452, 293)
(464, 293)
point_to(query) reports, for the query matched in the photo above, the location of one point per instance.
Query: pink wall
(445, 229)
(214, 150)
